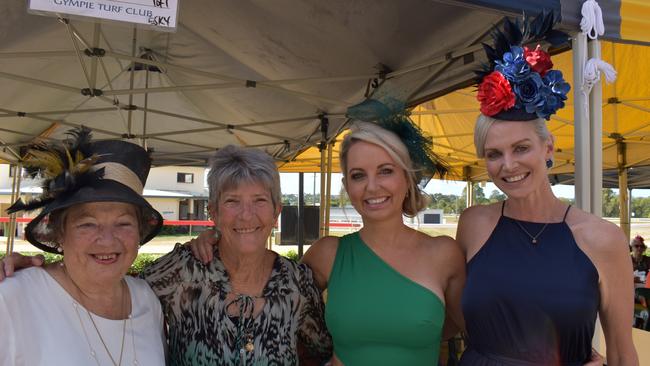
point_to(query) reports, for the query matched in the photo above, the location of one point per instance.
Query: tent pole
(301, 214)
(621, 157)
(44, 83)
(328, 193)
(321, 212)
(93, 60)
(133, 49)
(146, 104)
(595, 138)
(15, 194)
(581, 120)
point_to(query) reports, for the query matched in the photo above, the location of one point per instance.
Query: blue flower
(514, 65)
(551, 104)
(554, 80)
(554, 93)
(529, 92)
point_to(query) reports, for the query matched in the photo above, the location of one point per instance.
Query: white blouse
(39, 325)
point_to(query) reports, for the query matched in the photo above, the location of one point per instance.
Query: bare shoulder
(439, 244)
(322, 248)
(475, 225)
(595, 236)
(479, 212)
(443, 251)
(320, 258)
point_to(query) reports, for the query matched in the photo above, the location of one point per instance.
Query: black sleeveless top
(530, 304)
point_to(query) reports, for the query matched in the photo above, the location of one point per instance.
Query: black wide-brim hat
(118, 174)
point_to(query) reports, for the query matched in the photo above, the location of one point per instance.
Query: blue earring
(549, 163)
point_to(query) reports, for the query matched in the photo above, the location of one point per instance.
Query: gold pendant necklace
(92, 320)
(532, 238)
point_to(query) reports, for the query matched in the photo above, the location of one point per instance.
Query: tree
(610, 203)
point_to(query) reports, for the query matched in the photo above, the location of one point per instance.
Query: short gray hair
(483, 124)
(232, 165)
(372, 133)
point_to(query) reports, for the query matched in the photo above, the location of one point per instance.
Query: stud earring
(549, 163)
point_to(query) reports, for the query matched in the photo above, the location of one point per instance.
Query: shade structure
(250, 73)
(449, 119)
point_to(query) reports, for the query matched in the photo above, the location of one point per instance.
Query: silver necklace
(533, 239)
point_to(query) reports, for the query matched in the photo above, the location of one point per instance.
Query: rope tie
(592, 26)
(592, 71)
(592, 19)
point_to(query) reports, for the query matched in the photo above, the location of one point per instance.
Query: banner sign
(161, 14)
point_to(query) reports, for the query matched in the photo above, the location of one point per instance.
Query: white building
(177, 192)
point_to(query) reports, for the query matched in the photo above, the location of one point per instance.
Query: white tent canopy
(253, 73)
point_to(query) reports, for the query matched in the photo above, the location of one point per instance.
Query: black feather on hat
(82, 171)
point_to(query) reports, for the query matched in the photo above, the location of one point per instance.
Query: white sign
(156, 13)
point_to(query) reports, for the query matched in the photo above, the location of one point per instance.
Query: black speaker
(289, 224)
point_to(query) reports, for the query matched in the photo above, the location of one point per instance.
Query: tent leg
(596, 139)
(328, 193)
(15, 194)
(623, 189)
(323, 156)
(469, 199)
(301, 213)
(581, 123)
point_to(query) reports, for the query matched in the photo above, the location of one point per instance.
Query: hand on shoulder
(320, 258)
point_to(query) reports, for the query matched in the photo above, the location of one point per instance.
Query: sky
(289, 182)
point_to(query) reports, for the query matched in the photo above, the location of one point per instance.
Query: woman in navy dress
(538, 270)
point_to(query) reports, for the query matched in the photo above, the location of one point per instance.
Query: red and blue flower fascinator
(518, 83)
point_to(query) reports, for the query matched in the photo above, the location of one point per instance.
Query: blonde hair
(372, 133)
(483, 124)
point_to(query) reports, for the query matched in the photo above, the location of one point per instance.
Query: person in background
(85, 310)
(539, 271)
(640, 262)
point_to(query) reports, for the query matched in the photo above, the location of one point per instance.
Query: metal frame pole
(581, 119)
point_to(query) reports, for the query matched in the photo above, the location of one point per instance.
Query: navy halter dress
(530, 304)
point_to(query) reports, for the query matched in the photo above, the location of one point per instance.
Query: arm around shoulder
(320, 258)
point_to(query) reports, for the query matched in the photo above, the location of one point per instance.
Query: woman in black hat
(84, 310)
(538, 270)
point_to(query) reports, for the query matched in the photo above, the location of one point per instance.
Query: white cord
(592, 19)
(591, 75)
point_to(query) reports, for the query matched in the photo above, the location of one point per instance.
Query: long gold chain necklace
(92, 320)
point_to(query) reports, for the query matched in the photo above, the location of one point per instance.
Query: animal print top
(201, 332)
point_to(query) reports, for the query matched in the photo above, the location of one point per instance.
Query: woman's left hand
(203, 245)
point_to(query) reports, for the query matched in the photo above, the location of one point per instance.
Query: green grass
(141, 261)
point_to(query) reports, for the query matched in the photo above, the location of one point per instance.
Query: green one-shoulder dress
(376, 315)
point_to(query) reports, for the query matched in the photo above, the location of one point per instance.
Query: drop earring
(549, 163)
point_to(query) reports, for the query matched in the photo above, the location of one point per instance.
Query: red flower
(495, 94)
(538, 59)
